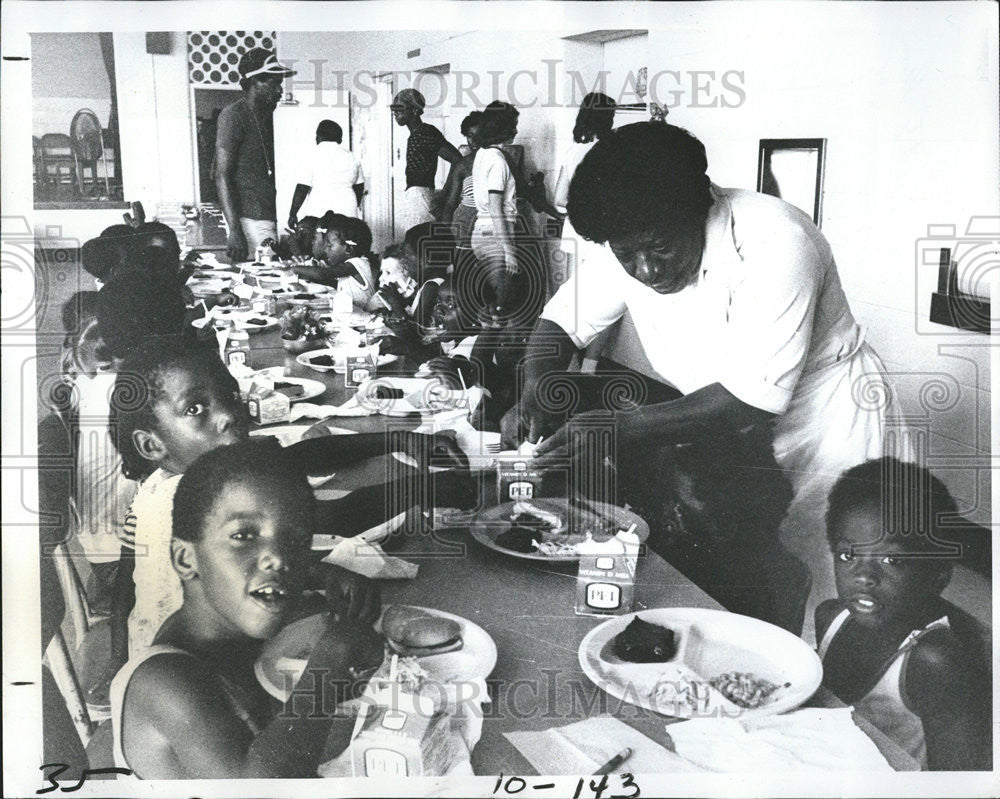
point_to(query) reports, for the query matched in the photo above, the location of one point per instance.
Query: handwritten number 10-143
(595, 790)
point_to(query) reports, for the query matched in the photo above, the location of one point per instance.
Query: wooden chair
(62, 591)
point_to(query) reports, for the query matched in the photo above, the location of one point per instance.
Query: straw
(393, 667)
(465, 388)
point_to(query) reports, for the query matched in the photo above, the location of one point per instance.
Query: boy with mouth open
(190, 706)
(909, 661)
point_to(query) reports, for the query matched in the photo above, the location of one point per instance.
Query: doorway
(372, 132)
(208, 104)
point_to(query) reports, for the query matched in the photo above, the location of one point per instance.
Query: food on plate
(643, 642)
(745, 689)
(388, 392)
(682, 693)
(518, 539)
(304, 296)
(525, 514)
(255, 320)
(536, 530)
(322, 360)
(290, 390)
(410, 631)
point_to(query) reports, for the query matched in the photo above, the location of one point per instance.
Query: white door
(371, 142)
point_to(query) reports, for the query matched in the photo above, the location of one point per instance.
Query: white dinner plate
(282, 655)
(339, 356)
(490, 523)
(310, 388)
(209, 285)
(421, 395)
(709, 643)
(354, 319)
(244, 320)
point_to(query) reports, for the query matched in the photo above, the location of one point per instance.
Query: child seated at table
(298, 243)
(345, 258)
(906, 659)
(401, 290)
(173, 403)
(190, 706)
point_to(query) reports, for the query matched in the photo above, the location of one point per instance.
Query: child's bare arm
(185, 704)
(327, 453)
(317, 274)
(942, 687)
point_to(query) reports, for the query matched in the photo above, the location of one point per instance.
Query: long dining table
(527, 607)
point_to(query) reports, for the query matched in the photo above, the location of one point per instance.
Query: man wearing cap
(425, 145)
(244, 155)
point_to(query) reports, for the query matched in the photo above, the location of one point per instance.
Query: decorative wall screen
(213, 56)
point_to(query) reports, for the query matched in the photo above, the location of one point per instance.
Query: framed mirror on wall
(792, 169)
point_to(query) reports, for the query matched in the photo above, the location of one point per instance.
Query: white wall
(910, 129)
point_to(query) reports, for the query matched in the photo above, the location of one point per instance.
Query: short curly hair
(261, 461)
(912, 500)
(640, 178)
(138, 387)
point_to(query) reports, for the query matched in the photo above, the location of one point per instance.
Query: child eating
(190, 706)
(908, 660)
(344, 253)
(400, 289)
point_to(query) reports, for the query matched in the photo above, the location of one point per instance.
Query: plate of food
(694, 662)
(433, 645)
(359, 320)
(244, 320)
(403, 396)
(334, 359)
(299, 389)
(551, 529)
(209, 285)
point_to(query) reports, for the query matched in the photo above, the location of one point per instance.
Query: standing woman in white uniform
(736, 299)
(331, 181)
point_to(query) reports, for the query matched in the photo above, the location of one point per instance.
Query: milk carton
(403, 734)
(359, 367)
(267, 406)
(605, 582)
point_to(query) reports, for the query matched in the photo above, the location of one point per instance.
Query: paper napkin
(809, 739)
(368, 560)
(585, 746)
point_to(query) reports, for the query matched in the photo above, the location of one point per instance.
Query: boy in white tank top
(891, 646)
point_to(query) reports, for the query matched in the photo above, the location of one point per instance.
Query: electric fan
(88, 146)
